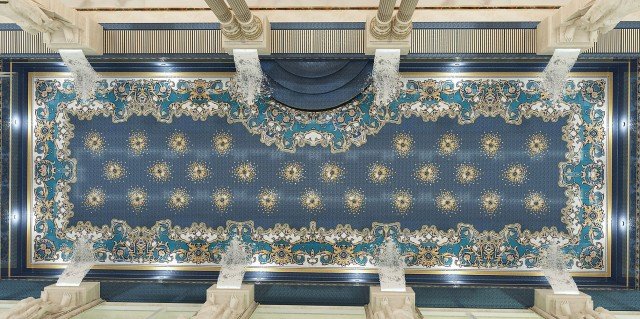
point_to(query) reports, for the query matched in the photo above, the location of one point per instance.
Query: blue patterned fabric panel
(542, 175)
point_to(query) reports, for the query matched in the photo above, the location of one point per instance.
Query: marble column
(229, 24)
(251, 25)
(381, 23)
(402, 23)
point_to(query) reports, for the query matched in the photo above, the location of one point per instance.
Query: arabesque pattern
(583, 175)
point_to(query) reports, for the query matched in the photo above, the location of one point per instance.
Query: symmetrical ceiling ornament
(511, 248)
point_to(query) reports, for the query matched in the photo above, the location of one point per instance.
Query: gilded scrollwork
(512, 248)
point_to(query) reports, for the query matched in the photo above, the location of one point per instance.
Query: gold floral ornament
(281, 254)
(403, 144)
(402, 201)
(179, 199)
(245, 172)
(535, 203)
(311, 200)
(113, 170)
(178, 142)
(138, 142)
(427, 173)
(222, 143)
(593, 215)
(200, 90)
(467, 174)
(138, 198)
(222, 199)
(490, 144)
(198, 171)
(343, 254)
(593, 133)
(198, 252)
(379, 173)
(516, 173)
(160, 171)
(490, 201)
(94, 143)
(429, 90)
(537, 145)
(429, 256)
(331, 173)
(447, 202)
(268, 200)
(354, 200)
(94, 198)
(448, 144)
(292, 172)
(44, 130)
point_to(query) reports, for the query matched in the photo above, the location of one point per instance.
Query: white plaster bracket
(562, 306)
(80, 32)
(552, 32)
(392, 304)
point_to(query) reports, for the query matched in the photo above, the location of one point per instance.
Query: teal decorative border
(583, 175)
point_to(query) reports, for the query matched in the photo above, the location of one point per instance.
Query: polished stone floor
(119, 310)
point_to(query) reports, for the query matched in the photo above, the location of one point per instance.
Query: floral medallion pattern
(427, 173)
(354, 200)
(113, 170)
(292, 172)
(179, 199)
(93, 142)
(160, 171)
(583, 175)
(403, 144)
(379, 173)
(222, 143)
(447, 202)
(198, 171)
(537, 145)
(402, 201)
(222, 199)
(448, 144)
(490, 144)
(515, 174)
(331, 172)
(268, 200)
(490, 202)
(95, 198)
(245, 172)
(311, 200)
(467, 174)
(137, 198)
(138, 142)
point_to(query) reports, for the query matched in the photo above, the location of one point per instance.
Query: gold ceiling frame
(335, 270)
